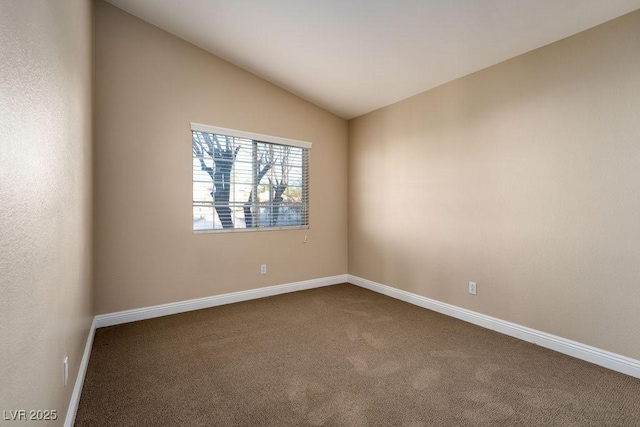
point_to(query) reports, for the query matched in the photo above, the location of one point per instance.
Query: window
(246, 181)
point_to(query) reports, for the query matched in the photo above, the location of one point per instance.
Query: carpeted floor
(339, 355)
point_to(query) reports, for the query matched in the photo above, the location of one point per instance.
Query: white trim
(143, 313)
(250, 230)
(82, 370)
(250, 135)
(616, 362)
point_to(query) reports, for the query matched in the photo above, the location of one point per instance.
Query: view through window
(244, 183)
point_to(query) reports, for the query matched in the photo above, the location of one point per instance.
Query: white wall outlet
(473, 288)
(65, 371)
(263, 269)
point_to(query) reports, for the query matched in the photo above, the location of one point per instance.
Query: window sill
(251, 230)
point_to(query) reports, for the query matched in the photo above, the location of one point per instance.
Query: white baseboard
(604, 358)
(127, 316)
(82, 370)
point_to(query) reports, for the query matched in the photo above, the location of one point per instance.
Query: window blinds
(246, 181)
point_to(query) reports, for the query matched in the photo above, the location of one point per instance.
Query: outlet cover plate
(473, 288)
(65, 371)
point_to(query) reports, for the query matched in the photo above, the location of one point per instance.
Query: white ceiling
(355, 56)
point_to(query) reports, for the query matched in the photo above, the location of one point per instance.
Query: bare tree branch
(198, 151)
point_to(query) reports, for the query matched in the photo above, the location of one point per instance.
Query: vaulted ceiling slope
(354, 56)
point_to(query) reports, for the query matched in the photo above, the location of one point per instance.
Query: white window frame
(198, 127)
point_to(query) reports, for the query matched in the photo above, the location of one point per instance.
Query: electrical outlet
(65, 371)
(473, 288)
(263, 269)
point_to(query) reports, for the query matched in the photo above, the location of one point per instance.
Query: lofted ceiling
(354, 56)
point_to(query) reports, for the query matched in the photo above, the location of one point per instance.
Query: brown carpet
(339, 355)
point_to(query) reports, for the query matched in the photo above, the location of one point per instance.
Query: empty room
(351, 213)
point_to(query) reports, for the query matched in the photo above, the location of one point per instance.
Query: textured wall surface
(524, 177)
(149, 86)
(45, 199)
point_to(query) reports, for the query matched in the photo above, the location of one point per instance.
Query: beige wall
(524, 177)
(45, 200)
(149, 86)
